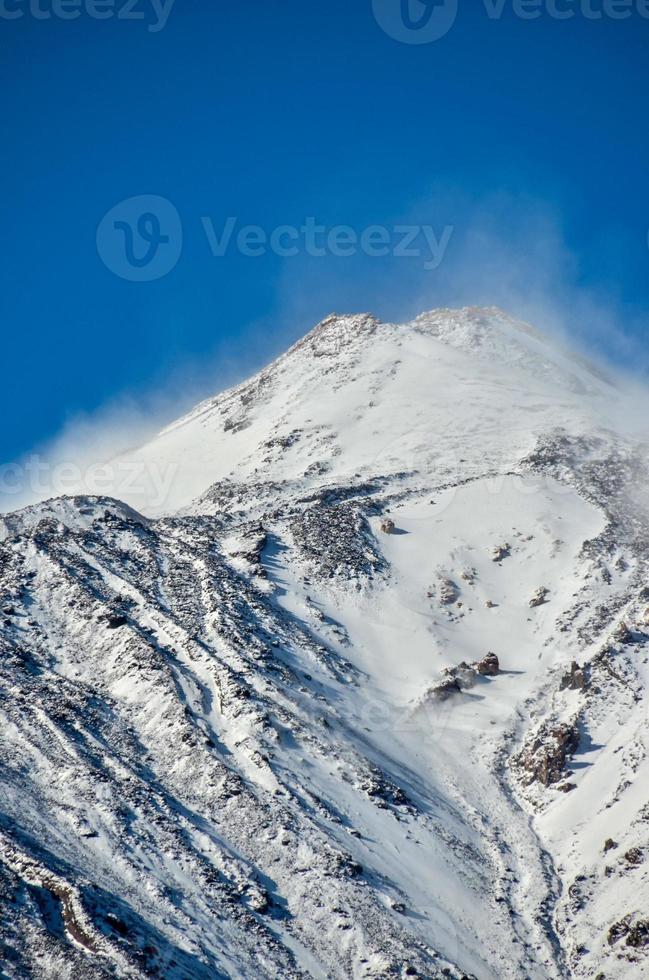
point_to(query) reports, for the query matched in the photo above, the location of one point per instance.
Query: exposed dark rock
(617, 931)
(634, 856)
(489, 666)
(337, 541)
(456, 679)
(636, 935)
(540, 597)
(544, 760)
(114, 621)
(117, 924)
(254, 540)
(606, 474)
(575, 679)
(501, 552)
(284, 442)
(622, 633)
(447, 592)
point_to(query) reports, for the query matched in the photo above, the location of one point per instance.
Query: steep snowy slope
(358, 398)
(367, 700)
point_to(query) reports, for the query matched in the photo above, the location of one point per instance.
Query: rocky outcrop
(540, 597)
(203, 764)
(500, 552)
(462, 677)
(115, 620)
(445, 689)
(161, 738)
(634, 933)
(337, 541)
(634, 857)
(544, 759)
(489, 666)
(252, 541)
(575, 679)
(622, 633)
(638, 935)
(446, 592)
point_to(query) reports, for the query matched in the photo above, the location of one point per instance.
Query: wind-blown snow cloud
(86, 456)
(503, 251)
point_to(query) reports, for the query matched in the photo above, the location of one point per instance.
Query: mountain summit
(359, 396)
(361, 695)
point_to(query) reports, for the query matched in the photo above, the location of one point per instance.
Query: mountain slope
(359, 398)
(363, 695)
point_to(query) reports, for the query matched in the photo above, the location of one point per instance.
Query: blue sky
(528, 139)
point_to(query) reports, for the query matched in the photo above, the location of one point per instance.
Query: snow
(222, 721)
(432, 394)
(400, 639)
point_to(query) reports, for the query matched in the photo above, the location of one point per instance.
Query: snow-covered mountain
(360, 694)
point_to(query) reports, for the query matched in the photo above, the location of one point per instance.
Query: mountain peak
(356, 395)
(384, 645)
(336, 332)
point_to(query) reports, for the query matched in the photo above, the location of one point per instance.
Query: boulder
(489, 666)
(634, 857)
(617, 931)
(545, 758)
(575, 680)
(622, 633)
(446, 689)
(447, 592)
(388, 526)
(116, 620)
(636, 935)
(500, 552)
(540, 597)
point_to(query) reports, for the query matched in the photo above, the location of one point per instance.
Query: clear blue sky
(272, 111)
